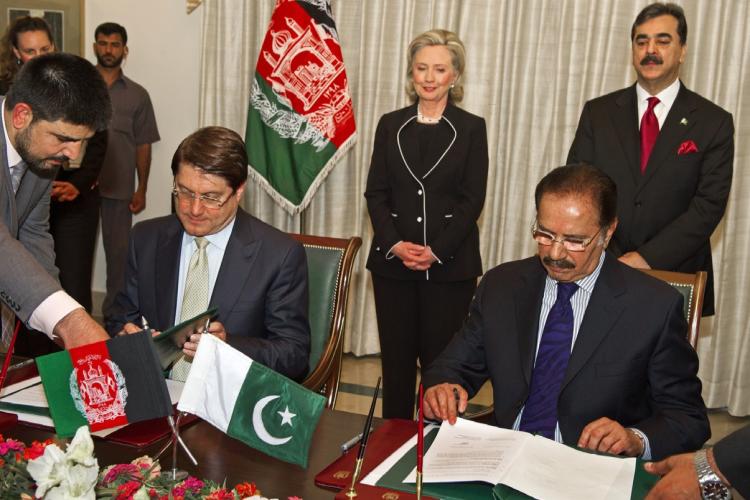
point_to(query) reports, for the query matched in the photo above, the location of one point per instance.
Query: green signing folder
(642, 481)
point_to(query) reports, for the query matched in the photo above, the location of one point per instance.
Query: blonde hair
(455, 46)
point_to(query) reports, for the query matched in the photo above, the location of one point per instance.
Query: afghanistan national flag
(104, 384)
(300, 118)
(251, 402)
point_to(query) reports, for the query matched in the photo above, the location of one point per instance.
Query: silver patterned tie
(8, 316)
(16, 174)
(194, 299)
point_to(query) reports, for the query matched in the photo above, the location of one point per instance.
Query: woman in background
(425, 191)
(25, 38)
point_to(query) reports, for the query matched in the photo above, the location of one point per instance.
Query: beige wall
(164, 45)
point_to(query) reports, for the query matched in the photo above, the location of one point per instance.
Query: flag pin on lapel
(683, 121)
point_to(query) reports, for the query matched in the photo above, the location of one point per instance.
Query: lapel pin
(683, 121)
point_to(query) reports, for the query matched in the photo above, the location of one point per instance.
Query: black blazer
(668, 214)
(631, 361)
(731, 455)
(438, 208)
(261, 291)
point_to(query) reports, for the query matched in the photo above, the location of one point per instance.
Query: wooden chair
(692, 287)
(329, 267)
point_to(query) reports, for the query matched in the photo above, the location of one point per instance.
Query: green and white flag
(250, 402)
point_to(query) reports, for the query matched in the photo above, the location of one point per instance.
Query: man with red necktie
(669, 150)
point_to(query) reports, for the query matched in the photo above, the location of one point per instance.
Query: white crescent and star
(260, 428)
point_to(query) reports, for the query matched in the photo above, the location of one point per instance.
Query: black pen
(363, 444)
(457, 396)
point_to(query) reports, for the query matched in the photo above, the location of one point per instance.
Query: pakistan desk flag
(251, 402)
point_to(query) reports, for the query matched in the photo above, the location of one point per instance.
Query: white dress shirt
(666, 99)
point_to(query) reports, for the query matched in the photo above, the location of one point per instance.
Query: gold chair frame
(696, 284)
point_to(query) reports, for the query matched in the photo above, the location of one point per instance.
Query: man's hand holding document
(539, 467)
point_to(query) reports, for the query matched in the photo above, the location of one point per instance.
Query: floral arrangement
(44, 470)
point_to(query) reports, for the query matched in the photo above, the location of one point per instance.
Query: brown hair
(9, 64)
(214, 150)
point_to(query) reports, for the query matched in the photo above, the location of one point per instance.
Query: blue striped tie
(540, 411)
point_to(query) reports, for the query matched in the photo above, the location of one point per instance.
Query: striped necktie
(540, 412)
(194, 299)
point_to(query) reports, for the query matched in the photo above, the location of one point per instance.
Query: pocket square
(687, 147)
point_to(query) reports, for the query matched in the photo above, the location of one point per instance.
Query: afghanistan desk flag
(104, 384)
(251, 402)
(300, 118)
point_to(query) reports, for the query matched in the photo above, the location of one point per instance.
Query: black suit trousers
(416, 320)
(73, 226)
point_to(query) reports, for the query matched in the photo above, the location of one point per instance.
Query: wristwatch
(711, 486)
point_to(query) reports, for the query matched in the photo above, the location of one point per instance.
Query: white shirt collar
(666, 96)
(220, 239)
(13, 157)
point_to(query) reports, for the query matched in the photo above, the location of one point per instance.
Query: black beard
(23, 144)
(115, 64)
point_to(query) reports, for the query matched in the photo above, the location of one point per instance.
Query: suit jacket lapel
(444, 139)
(241, 251)
(602, 312)
(528, 307)
(408, 140)
(671, 133)
(11, 217)
(625, 123)
(165, 273)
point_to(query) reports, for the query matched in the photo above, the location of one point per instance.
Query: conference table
(223, 458)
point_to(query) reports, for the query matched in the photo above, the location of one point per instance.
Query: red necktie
(649, 132)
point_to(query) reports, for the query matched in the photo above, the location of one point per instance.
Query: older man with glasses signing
(579, 347)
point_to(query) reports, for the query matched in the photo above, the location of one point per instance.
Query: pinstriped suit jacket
(27, 257)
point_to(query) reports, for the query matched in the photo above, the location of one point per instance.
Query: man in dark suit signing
(211, 253)
(579, 347)
(669, 150)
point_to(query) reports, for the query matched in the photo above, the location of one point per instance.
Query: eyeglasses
(185, 196)
(571, 244)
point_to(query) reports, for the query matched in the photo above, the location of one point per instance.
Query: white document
(539, 467)
(30, 392)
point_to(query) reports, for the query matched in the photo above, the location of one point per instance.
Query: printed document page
(539, 467)
(470, 451)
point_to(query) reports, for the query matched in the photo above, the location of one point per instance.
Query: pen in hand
(144, 323)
